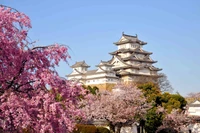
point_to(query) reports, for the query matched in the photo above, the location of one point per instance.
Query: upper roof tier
(137, 50)
(104, 63)
(129, 39)
(80, 64)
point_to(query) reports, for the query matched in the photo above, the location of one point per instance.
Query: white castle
(129, 63)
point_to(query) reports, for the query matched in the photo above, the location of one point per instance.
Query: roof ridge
(129, 35)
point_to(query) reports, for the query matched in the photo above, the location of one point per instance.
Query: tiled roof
(103, 77)
(80, 64)
(129, 36)
(122, 61)
(136, 59)
(130, 50)
(130, 39)
(195, 104)
(123, 73)
(91, 72)
(155, 68)
(104, 63)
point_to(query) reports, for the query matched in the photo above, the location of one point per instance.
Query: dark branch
(20, 71)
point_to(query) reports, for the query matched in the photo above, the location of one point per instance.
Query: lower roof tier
(124, 73)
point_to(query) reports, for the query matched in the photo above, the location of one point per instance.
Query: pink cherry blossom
(25, 73)
(124, 105)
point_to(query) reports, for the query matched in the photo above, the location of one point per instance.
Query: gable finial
(122, 33)
(136, 35)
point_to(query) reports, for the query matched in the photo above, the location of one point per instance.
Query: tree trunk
(112, 127)
(118, 129)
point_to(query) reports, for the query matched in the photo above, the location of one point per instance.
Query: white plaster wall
(132, 45)
(129, 70)
(123, 46)
(195, 128)
(153, 72)
(106, 68)
(144, 63)
(132, 70)
(96, 75)
(140, 56)
(75, 77)
(74, 71)
(133, 63)
(101, 81)
(100, 75)
(128, 45)
(123, 55)
(194, 111)
(144, 71)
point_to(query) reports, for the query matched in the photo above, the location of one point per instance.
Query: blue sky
(89, 28)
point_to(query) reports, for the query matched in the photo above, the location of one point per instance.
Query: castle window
(134, 46)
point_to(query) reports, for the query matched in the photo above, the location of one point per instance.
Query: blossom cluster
(32, 94)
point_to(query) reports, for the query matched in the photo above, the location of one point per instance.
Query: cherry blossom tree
(178, 120)
(25, 74)
(124, 105)
(191, 97)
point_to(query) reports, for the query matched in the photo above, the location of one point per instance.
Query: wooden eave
(130, 41)
(155, 69)
(136, 74)
(118, 59)
(130, 51)
(126, 67)
(123, 42)
(103, 77)
(139, 60)
(104, 63)
(100, 65)
(80, 64)
(91, 72)
(106, 71)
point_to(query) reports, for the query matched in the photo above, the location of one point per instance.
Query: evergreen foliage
(159, 100)
(93, 90)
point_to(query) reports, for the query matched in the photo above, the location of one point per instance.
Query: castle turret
(80, 67)
(78, 72)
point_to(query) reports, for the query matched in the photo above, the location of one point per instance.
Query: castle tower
(130, 61)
